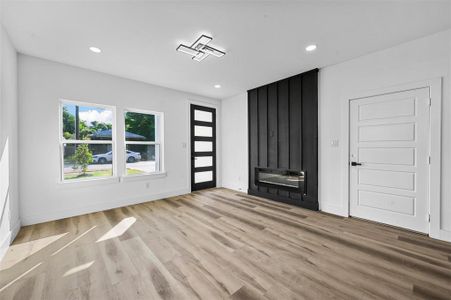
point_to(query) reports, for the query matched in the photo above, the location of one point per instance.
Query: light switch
(334, 143)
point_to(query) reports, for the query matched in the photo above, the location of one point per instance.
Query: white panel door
(389, 155)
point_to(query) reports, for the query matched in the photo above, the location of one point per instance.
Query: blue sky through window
(91, 113)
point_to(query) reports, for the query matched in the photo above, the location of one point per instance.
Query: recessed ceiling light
(217, 86)
(310, 48)
(95, 49)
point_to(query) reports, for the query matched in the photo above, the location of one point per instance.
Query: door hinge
(429, 218)
(429, 159)
(430, 101)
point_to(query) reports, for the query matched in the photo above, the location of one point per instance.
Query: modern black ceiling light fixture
(200, 49)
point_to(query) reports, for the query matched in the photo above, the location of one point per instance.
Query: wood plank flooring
(220, 244)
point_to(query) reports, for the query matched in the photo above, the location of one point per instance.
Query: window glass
(142, 142)
(83, 161)
(86, 141)
(142, 159)
(86, 122)
(139, 127)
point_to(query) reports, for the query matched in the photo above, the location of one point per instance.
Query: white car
(108, 157)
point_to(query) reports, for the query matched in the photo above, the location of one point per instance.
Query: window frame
(159, 140)
(63, 141)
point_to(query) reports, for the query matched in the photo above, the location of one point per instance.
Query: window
(143, 136)
(86, 141)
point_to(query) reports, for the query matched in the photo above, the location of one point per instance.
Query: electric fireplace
(283, 179)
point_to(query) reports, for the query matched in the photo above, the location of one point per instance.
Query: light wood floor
(220, 244)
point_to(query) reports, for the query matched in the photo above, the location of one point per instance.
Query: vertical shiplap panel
(295, 98)
(253, 136)
(263, 130)
(272, 129)
(283, 128)
(310, 134)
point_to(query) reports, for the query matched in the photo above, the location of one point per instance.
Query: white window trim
(159, 140)
(63, 141)
(146, 176)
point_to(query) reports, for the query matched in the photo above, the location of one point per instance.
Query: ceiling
(264, 41)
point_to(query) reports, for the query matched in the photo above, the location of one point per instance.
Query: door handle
(353, 163)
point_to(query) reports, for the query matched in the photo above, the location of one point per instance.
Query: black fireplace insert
(283, 179)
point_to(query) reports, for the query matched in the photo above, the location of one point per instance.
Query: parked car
(133, 156)
(108, 157)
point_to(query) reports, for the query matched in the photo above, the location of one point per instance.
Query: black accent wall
(283, 134)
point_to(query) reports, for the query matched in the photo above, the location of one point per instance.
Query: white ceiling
(264, 41)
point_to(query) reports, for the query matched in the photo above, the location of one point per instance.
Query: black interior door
(203, 147)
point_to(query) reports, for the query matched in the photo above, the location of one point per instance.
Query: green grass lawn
(134, 171)
(99, 173)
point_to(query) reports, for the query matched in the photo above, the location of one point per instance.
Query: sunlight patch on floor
(19, 252)
(20, 277)
(73, 241)
(118, 229)
(78, 268)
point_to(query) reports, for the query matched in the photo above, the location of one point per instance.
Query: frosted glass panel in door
(203, 161)
(203, 131)
(204, 116)
(203, 146)
(203, 176)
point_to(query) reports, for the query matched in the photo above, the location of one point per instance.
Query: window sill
(90, 182)
(110, 180)
(143, 176)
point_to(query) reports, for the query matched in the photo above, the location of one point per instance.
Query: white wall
(234, 138)
(9, 192)
(41, 84)
(422, 59)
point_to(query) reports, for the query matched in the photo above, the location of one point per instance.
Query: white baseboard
(235, 188)
(15, 230)
(333, 209)
(444, 235)
(4, 245)
(77, 211)
(9, 238)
